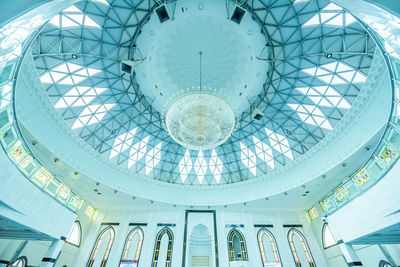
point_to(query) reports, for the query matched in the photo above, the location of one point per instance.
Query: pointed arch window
(20, 262)
(131, 253)
(102, 246)
(158, 253)
(268, 249)
(300, 250)
(236, 246)
(74, 235)
(328, 240)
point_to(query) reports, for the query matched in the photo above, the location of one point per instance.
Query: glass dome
(307, 64)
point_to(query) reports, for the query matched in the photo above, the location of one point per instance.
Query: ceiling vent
(257, 114)
(162, 13)
(127, 66)
(238, 14)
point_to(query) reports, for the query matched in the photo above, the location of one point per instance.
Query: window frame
(159, 236)
(323, 236)
(80, 234)
(266, 231)
(131, 232)
(109, 246)
(307, 246)
(243, 245)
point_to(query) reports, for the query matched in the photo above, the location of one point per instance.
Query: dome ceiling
(314, 63)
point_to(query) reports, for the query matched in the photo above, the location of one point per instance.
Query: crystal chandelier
(200, 120)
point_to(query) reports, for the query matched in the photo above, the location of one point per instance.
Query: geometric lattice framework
(131, 255)
(157, 247)
(319, 58)
(74, 235)
(328, 240)
(237, 249)
(270, 255)
(297, 240)
(109, 233)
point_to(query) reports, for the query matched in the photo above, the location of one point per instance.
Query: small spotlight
(76, 173)
(34, 143)
(74, 56)
(329, 55)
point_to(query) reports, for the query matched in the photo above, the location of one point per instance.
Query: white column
(52, 253)
(350, 255)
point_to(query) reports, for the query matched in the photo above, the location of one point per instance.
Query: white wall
(177, 216)
(31, 206)
(371, 211)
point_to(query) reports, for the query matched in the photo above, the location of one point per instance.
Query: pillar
(349, 255)
(52, 253)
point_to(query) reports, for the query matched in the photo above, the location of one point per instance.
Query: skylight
(73, 17)
(216, 165)
(312, 115)
(122, 143)
(332, 15)
(5, 95)
(325, 96)
(102, 2)
(336, 73)
(137, 151)
(185, 166)
(200, 167)
(300, 1)
(264, 152)
(249, 159)
(68, 74)
(79, 96)
(279, 143)
(91, 114)
(153, 157)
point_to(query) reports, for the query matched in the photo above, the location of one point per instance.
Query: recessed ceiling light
(329, 55)
(74, 56)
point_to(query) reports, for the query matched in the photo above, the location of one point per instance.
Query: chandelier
(200, 120)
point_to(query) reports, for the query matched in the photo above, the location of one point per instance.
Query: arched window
(298, 245)
(74, 235)
(236, 246)
(159, 252)
(328, 240)
(102, 248)
(268, 249)
(384, 263)
(131, 254)
(20, 262)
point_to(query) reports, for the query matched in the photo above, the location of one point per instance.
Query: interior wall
(369, 255)
(175, 217)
